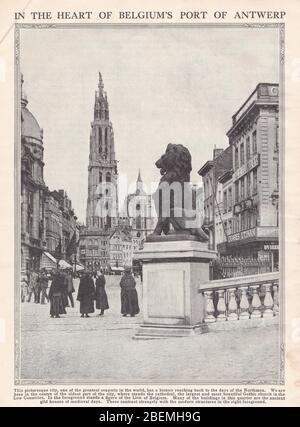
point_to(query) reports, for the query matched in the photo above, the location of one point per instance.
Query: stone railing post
(244, 304)
(209, 307)
(232, 305)
(221, 306)
(268, 302)
(256, 313)
(276, 300)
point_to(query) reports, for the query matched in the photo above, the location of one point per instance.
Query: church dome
(30, 127)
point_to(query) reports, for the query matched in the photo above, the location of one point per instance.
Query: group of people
(91, 290)
(35, 284)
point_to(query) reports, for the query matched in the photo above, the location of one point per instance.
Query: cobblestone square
(101, 349)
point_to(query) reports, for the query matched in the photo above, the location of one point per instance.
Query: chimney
(217, 152)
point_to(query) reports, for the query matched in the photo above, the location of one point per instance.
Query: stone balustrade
(241, 298)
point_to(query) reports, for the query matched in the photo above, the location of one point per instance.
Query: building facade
(223, 214)
(210, 172)
(140, 213)
(94, 249)
(60, 220)
(200, 204)
(33, 189)
(53, 218)
(120, 248)
(254, 139)
(47, 218)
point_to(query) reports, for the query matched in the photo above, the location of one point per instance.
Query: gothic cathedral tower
(102, 203)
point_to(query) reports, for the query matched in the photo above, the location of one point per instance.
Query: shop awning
(117, 268)
(78, 267)
(48, 261)
(64, 264)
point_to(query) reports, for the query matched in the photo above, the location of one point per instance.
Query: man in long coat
(32, 286)
(43, 280)
(86, 295)
(56, 294)
(129, 297)
(101, 296)
(24, 286)
(70, 286)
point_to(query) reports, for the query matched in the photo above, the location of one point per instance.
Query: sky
(164, 85)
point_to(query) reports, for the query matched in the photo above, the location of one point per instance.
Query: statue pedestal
(172, 272)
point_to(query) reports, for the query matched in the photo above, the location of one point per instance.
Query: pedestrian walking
(129, 297)
(101, 296)
(56, 291)
(32, 285)
(86, 295)
(36, 287)
(64, 295)
(70, 287)
(24, 286)
(43, 281)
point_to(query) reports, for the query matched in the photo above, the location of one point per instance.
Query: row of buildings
(241, 182)
(48, 221)
(238, 200)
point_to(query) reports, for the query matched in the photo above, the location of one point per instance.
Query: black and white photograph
(149, 196)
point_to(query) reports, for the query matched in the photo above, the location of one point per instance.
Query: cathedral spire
(102, 164)
(139, 183)
(100, 84)
(139, 179)
(101, 108)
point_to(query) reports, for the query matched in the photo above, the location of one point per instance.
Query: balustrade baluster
(232, 305)
(256, 313)
(210, 309)
(276, 300)
(244, 304)
(221, 306)
(268, 302)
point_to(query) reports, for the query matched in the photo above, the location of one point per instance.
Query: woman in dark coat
(86, 295)
(55, 294)
(101, 296)
(129, 297)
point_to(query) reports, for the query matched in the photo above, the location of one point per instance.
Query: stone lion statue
(173, 197)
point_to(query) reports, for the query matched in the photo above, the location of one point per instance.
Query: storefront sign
(242, 235)
(271, 247)
(246, 234)
(257, 232)
(252, 163)
(240, 172)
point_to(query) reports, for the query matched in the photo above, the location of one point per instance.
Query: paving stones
(101, 349)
